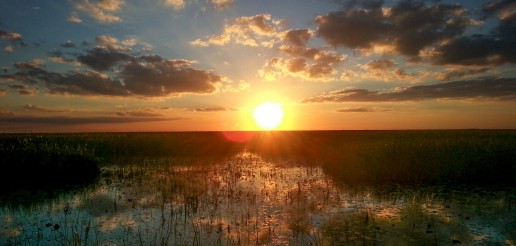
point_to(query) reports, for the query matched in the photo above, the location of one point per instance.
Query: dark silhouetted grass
(411, 157)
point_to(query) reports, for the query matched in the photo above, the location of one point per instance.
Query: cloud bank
(139, 76)
(434, 32)
(498, 89)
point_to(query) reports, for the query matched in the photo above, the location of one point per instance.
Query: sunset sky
(204, 65)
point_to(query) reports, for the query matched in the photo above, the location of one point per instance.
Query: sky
(204, 65)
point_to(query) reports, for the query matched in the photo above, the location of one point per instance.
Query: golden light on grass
(268, 115)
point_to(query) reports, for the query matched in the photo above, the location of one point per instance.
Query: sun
(268, 115)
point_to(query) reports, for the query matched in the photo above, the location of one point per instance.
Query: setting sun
(268, 115)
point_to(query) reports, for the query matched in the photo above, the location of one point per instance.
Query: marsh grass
(279, 188)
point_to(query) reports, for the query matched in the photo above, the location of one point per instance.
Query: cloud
(408, 27)
(382, 70)
(139, 114)
(167, 77)
(130, 42)
(68, 44)
(361, 110)
(102, 59)
(30, 65)
(104, 39)
(112, 43)
(10, 35)
(297, 37)
(24, 90)
(304, 62)
(258, 30)
(380, 64)
(299, 67)
(35, 108)
(175, 4)
(64, 120)
(505, 9)
(482, 89)
(74, 19)
(221, 4)
(454, 73)
(58, 57)
(102, 11)
(212, 109)
(150, 75)
(9, 49)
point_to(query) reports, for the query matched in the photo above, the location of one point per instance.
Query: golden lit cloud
(102, 11)
(258, 30)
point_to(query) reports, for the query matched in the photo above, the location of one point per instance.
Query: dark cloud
(494, 48)
(212, 109)
(103, 59)
(353, 29)
(149, 75)
(166, 77)
(361, 110)
(297, 37)
(86, 83)
(139, 114)
(409, 27)
(485, 89)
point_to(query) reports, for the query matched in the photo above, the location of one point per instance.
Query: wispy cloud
(481, 89)
(102, 11)
(221, 4)
(362, 110)
(63, 120)
(258, 30)
(74, 19)
(213, 109)
(139, 113)
(36, 108)
(175, 4)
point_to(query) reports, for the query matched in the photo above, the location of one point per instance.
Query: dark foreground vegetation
(406, 157)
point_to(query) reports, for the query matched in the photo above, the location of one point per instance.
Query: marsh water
(249, 200)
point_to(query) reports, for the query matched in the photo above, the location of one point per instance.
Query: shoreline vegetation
(414, 157)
